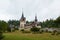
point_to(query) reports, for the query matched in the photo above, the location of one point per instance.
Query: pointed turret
(22, 17)
(35, 21)
(36, 18)
(22, 22)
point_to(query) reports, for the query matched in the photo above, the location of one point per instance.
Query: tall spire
(35, 17)
(22, 13)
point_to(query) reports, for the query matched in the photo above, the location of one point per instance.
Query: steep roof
(22, 17)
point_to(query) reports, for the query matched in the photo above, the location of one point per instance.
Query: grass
(29, 36)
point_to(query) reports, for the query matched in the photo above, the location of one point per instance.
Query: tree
(48, 23)
(57, 22)
(1, 30)
(3, 26)
(1, 35)
(14, 22)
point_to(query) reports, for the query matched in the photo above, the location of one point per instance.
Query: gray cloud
(45, 9)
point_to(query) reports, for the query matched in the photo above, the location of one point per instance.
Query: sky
(44, 9)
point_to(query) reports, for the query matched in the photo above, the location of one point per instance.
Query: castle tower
(22, 22)
(35, 21)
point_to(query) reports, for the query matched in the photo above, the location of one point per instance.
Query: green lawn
(29, 36)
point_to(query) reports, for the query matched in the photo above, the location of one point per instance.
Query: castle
(24, 25)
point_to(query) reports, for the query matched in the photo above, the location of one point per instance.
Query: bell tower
(35, 20)
(22, 22)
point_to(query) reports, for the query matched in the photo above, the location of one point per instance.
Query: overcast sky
(44, 9)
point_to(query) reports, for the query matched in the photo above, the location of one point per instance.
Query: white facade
(22, 25)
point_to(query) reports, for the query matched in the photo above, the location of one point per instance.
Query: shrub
(13, 30)
(41, 31)
(46, 30)
(54, 32)
(57, 33)
(9, 29)
(1, 35)
(25, 31)
(35, 29)
(50, 31)
(22, 30)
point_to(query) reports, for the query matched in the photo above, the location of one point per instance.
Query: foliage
(1, 35)
(9, 29)
(35, 29)
(41, 31)
(57, 22)
(2, 29)
(51, 23)
(3, 26)
(25, 31)
(14, 22)
(22, 30)
(54, 32)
